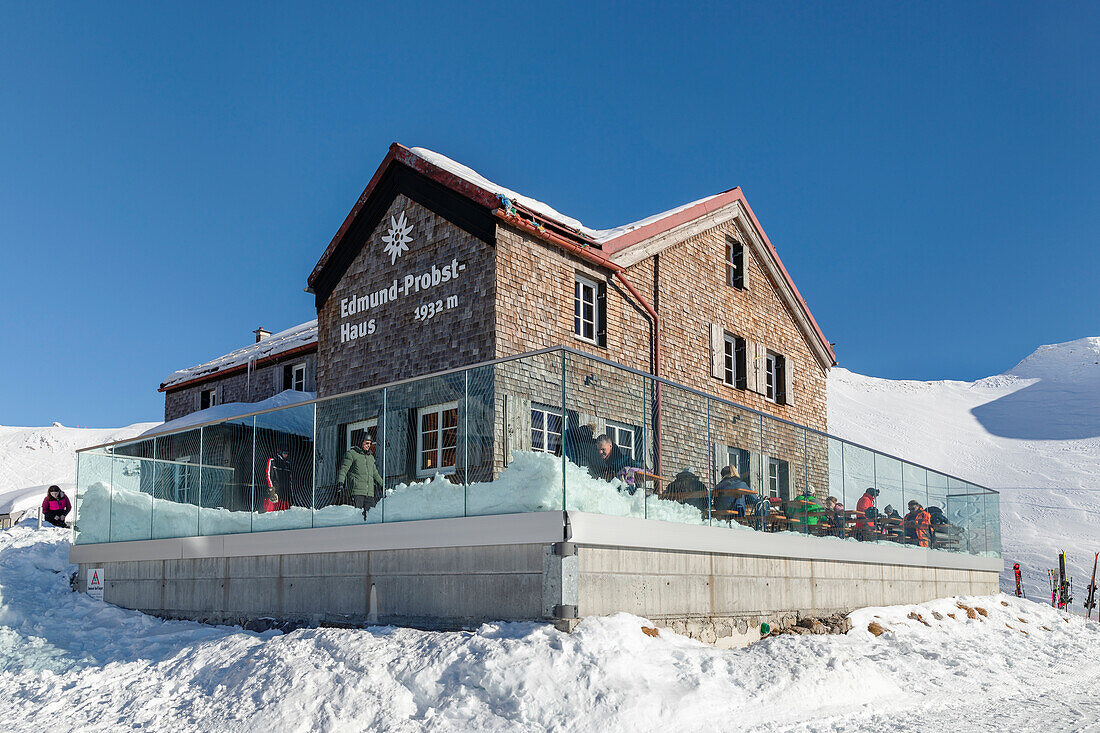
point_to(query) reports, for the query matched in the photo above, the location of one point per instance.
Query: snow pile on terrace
(72, 663)
(1032, 434)
(299, 422)
(532, 483)
(599, 235)
(291, 338)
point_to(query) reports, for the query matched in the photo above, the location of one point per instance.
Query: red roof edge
(401, 154)
(703, 208)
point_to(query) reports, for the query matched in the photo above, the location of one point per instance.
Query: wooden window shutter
(601, 315)
(750, 365)
(717, 352)
(721, 460)
(788, 380)
(760, 366)
(517, 426)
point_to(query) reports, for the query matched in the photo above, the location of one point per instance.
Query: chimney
(261, 334)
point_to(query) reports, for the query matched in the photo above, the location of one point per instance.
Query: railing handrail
(540, 352)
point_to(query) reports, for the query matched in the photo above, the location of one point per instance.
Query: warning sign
(95, 583)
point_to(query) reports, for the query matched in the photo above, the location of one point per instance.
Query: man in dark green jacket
(358, 475)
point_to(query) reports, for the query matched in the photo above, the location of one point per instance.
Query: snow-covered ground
(1032, 433)
(33, 458)
(70, 663)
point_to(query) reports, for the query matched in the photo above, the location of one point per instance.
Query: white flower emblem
(397, 239)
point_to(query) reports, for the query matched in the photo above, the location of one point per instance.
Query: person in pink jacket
(55, 506)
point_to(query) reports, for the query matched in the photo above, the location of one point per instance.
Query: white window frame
(439, 410)
(729, 363)
(773, 477)
(294, 372)
(581, 284)
(733, 459)
(771, 376)
(735, 251)
(615, 430)
(545, 432)
(365, 426)
(213, 392)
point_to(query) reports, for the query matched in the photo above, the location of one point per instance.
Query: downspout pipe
(600, 260)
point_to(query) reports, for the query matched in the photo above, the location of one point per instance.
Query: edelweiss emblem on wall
(397, 239)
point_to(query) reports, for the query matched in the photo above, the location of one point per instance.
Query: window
(738, 460)
(208, 398)
(362, 429)
(437, 439)
(622, 436)
(733, 372)
(775, 378)
(294, 377)
(545, 430)
(588, 310)
(735, 264)
(777, 478)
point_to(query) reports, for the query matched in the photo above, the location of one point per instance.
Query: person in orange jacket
(918, 524)
(866, 504)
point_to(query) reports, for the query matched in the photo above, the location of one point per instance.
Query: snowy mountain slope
(70, 663)
(33, 458)
(1032, 433)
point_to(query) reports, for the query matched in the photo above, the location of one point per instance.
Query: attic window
(735, 264)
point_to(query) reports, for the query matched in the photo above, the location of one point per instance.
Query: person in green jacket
(806, 508)
(358, 475)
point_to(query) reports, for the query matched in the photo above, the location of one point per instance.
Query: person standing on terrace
(358, 475)
(610, 463)
(866, 504)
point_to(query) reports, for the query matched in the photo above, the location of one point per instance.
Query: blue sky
(170, 176)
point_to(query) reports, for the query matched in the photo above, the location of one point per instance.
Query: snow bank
(1050, 486)
(532, 483)
(71, 663)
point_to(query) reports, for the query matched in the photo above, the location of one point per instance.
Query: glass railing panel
(608, 441)
(283, 467)
(861, 491)
(966, 513)
(422, 437)
(891, 501)
(734, 438)
(682, 480)
(784, 473)
(946, 533)
(521, 470)
(993, 517)
(350, 431)
(175, 505)
(230, 498)
(92, 497)
(133, 477)
(840, 502)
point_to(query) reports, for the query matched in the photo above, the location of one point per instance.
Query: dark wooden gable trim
(401, 179)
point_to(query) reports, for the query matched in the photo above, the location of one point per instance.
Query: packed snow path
(68, 662)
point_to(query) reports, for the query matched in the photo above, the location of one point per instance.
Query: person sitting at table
(805, 509)
(834, 513)
(726, 502)
(687, 482)
(866, 504)
(889, 512)
(918, 525)
(610, 463)
(580, 445)
(937, 516)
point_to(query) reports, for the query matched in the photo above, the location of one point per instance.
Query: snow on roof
(299, 422)
(300, 335)
(598, 235)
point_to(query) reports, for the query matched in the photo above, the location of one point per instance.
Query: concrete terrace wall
(708, 582)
